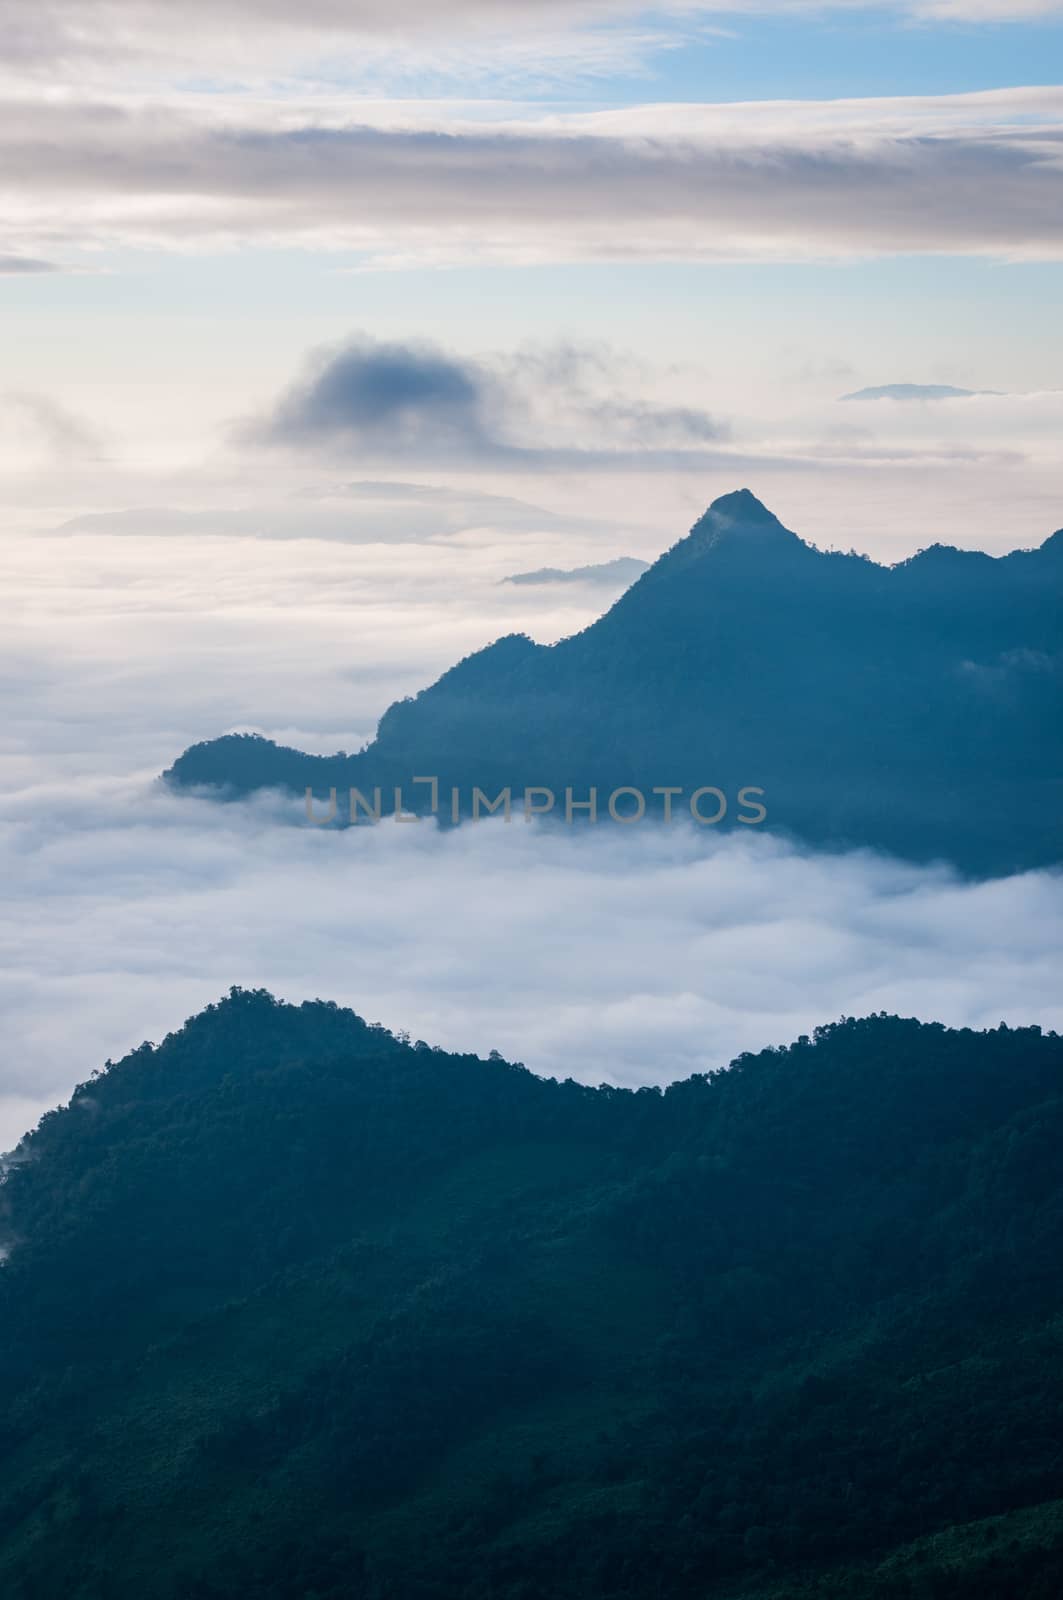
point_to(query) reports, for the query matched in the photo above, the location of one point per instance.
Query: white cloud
(241, 38)
(977, 174)
(242, 42)
(987, 10)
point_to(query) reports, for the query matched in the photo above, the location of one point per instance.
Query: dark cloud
(417, 402)
(407, 397)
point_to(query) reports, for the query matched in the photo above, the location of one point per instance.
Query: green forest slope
(296, 1309)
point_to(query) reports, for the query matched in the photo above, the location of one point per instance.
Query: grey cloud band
(776, 183)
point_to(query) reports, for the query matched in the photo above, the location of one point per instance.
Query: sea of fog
(631, 956)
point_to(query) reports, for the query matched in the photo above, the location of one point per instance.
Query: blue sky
(830, 55)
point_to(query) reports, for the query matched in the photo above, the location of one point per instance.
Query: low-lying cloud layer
(629, 959)
(367, 513)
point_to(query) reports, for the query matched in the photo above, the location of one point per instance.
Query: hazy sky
(320, 320)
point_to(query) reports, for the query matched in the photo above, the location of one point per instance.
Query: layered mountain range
(916, 708)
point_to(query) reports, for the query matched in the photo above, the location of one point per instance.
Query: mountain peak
(742, 505)
(739, 522)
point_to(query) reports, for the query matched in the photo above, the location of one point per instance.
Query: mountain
(916, 391)
(294, 1308)
(914, 708)
(624, 569)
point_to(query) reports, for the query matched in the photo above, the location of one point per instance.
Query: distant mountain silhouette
(624, 569)
(294, 1308)
(916, 708)
(916, 391)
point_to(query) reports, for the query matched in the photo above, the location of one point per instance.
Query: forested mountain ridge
(296, 1308)
(915, 708)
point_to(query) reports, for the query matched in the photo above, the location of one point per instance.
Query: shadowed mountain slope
(915, 708)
